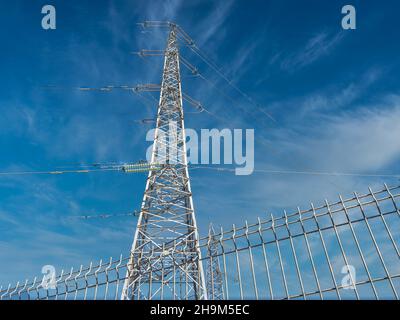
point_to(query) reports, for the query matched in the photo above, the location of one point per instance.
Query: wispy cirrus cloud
(343, 96)
(212, 25)
(359, 141)
(315, 48)
(78, 126)
(363, 140)
(325, 100)
(41, 213)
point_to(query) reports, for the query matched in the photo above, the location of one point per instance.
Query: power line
(20, 173)
(194, 48)
(150, 88)
(105, 216)
(190, 43)
(294, 172)
(196, 73)
(126, 168)
(106, 89)
(144, 167)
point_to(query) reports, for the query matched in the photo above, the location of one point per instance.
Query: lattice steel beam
(166, 238)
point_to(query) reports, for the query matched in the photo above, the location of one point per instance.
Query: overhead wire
(194, 73)
(198, 167)
(104, 216)
(138, 89)
(126, 168)
(297, 172)
(217, 69)
(53, 172)
(106, 89)
(183, 36)
(225, 95)
(194, 48)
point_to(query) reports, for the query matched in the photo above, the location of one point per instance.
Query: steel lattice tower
(214, 275)
(165, 258)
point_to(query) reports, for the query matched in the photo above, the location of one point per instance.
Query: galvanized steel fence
(347, 249)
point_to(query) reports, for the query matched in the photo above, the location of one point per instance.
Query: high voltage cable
(136, 89)
(56, 172)
(196, 73)
(106, 89)
(133, 168)
(202, 109)
(109, 88)
(223, 93)
(104, 216)
(320, 173)
(193, 47)
(242, 93)
(126, 168)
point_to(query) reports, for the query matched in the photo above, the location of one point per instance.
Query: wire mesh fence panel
(347, 249)
(102, 281)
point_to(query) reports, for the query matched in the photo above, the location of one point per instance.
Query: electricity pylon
(214, 275)
(165, 260)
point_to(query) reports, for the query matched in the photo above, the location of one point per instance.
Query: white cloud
(327, 100)
(362, 140)
(213, 23)
(342, 96)
(365, 140)
(316, 47)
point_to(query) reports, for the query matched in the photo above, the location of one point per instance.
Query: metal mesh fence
(346, 249)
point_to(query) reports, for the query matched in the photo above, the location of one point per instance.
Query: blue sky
(334, 94)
